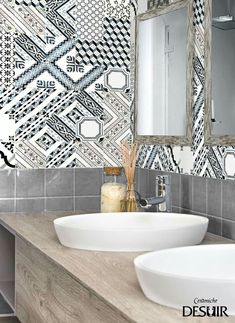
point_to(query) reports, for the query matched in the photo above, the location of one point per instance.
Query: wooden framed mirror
(219, 72)
(164, 74)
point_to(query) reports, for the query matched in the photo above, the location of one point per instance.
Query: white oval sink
(188, 275)
(130, 231)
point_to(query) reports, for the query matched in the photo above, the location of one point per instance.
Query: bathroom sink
(140, 231)
(189, 276)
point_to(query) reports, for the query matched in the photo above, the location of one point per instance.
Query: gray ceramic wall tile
(30, 205)
(176, 209)
(151, 189)
(175, 189)
(88, 181)
(185, 211)
(7, 205)
(215, 225)
(199, 194)
(7, 183)
(30, 183)
(186, 192)
(143, 182)
(59, 182)
(60, 204)
(214, 203)
(89, 203)
(228, 229)
(228, 199)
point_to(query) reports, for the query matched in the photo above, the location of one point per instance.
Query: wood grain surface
(9, 320)
(58, 284)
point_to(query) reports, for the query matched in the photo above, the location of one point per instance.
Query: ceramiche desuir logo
(205, 308)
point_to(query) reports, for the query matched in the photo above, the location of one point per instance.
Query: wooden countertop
(110, 276)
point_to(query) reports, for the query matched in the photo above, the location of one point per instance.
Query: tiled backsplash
(208, 197)
(63, 75)
(79, 189)
(50, 190)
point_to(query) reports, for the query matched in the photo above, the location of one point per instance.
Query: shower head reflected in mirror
(224, 22)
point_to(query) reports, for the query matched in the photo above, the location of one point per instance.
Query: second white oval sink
(198, 276)
(140, 231)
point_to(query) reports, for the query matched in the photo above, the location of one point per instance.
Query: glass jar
(113, 191)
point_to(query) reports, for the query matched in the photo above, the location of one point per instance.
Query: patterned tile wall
(67, 88)
(200, 160)
(65, 82)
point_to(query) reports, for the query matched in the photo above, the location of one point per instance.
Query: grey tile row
(50, 182)
(38, 190)
(205, 195)
(208, 197)
(217, 225)
(40, 204)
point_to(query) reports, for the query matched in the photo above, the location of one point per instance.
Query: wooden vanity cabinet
(45, 292)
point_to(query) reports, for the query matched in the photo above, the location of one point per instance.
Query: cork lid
(113, 171)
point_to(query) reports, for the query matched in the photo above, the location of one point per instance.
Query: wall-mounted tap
(163, 195)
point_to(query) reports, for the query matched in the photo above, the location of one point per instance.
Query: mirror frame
(169, 140)
(210, 139)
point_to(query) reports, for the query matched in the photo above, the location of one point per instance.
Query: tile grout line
(15, 179)
(44, 193)
(74, 187)
(221, 208)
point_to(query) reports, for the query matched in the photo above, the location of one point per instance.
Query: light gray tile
(7, 205)
(59, 182)
(143, 181)
(214, 189)
(151, 189)
(30, 205)
(60, 204)
(186, 192)
(228, 229)
(88, 181)
(30, 183)
(176, 209)
(199, 194)
(87, 203)
(228, 199)
(7, 183)
(175, 189)
(215, 225)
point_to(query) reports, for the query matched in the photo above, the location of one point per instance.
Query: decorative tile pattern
(116, 43)
(29, 155)
(7, 157)
(7, 64)
(67, 74)
(116, 80)
(229, 163)
(89, 20)
(118, 9)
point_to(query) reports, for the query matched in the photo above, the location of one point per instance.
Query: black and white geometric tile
(67, 74)
(7, 156)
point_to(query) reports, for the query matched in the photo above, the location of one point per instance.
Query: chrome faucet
(162, 200)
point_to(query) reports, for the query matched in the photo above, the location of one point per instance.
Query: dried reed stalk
(129, 157)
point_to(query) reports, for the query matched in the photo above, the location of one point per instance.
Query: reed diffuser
(129, 157)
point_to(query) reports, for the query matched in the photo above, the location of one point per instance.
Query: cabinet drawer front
(45, 293)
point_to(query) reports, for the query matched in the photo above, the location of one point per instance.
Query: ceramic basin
(130, 231)
(189, 276)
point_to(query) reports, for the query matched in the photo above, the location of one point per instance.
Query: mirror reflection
(164, 75)
(223, 67)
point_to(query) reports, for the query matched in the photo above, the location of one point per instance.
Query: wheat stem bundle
(129, 157)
